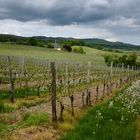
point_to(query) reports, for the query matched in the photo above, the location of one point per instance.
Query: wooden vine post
(11, 80)
(88, 73)
(66, 78)
(66, 74)
(122, 72)
(97, 93)
(128, 72)
(83, 94)
(54, 113)
(104, 89)
(110, 87)
(61, 118)
(88, 98)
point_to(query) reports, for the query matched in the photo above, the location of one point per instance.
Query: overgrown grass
(5, 108)
(2, 126)
(138, 128)
(35, 119)
(28, 120)
(109, 121)
(19, 93)
(21, 99)
(45, 53)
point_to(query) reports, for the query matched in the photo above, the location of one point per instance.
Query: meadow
(45, 53)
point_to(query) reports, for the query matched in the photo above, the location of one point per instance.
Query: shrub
(130, 60)
(108, 49)
(99, 47)
(50, 45)
(41, 45)
(32, 41)
(78, 49)
(67, 48)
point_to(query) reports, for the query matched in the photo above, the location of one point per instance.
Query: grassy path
(138, 128)
(114, 120)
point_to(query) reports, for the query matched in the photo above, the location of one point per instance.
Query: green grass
(35, 119)
(3, 126)
(21, 99)
(40, 53)
(6, 108)
(45, 53)
(29, 119)
(105, 123)
(21, 93)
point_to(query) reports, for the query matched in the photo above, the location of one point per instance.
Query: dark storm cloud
(108, 19)
(62, 12)
(57, 11)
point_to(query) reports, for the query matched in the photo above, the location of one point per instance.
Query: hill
(90, 42)
(95, 42)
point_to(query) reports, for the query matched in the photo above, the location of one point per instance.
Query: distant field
(44, 53)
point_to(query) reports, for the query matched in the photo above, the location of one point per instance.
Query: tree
(126, 60)
(108, 59)
(67, 48)
(32, 41)
(123, 60)
(132, 60)
(50, 45)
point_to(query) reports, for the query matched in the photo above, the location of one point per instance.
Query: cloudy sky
(114, 20)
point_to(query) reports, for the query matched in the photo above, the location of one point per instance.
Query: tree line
(48, 42)
(126, 60)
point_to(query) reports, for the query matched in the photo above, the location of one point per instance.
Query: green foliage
(104, 48)
(131, 60)
(35, 119)
(99, 47)
(40, 41)
(67, 48)
(78, 49)
(50, 46)
(118, 51)
(32, 41)
(5, 108)
(2, 126)
(108, 49)
(72, 42)
(2, 108)
(41, 45)
(18, 93)
(111, 50)
(126, 60)
(93, 43)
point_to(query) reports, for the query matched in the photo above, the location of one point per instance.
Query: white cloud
(36, 28)
(108, 19)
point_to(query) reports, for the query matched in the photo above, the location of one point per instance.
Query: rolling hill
(90, 42)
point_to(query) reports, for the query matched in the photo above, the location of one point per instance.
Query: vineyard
(69, 69)
(54, 87)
